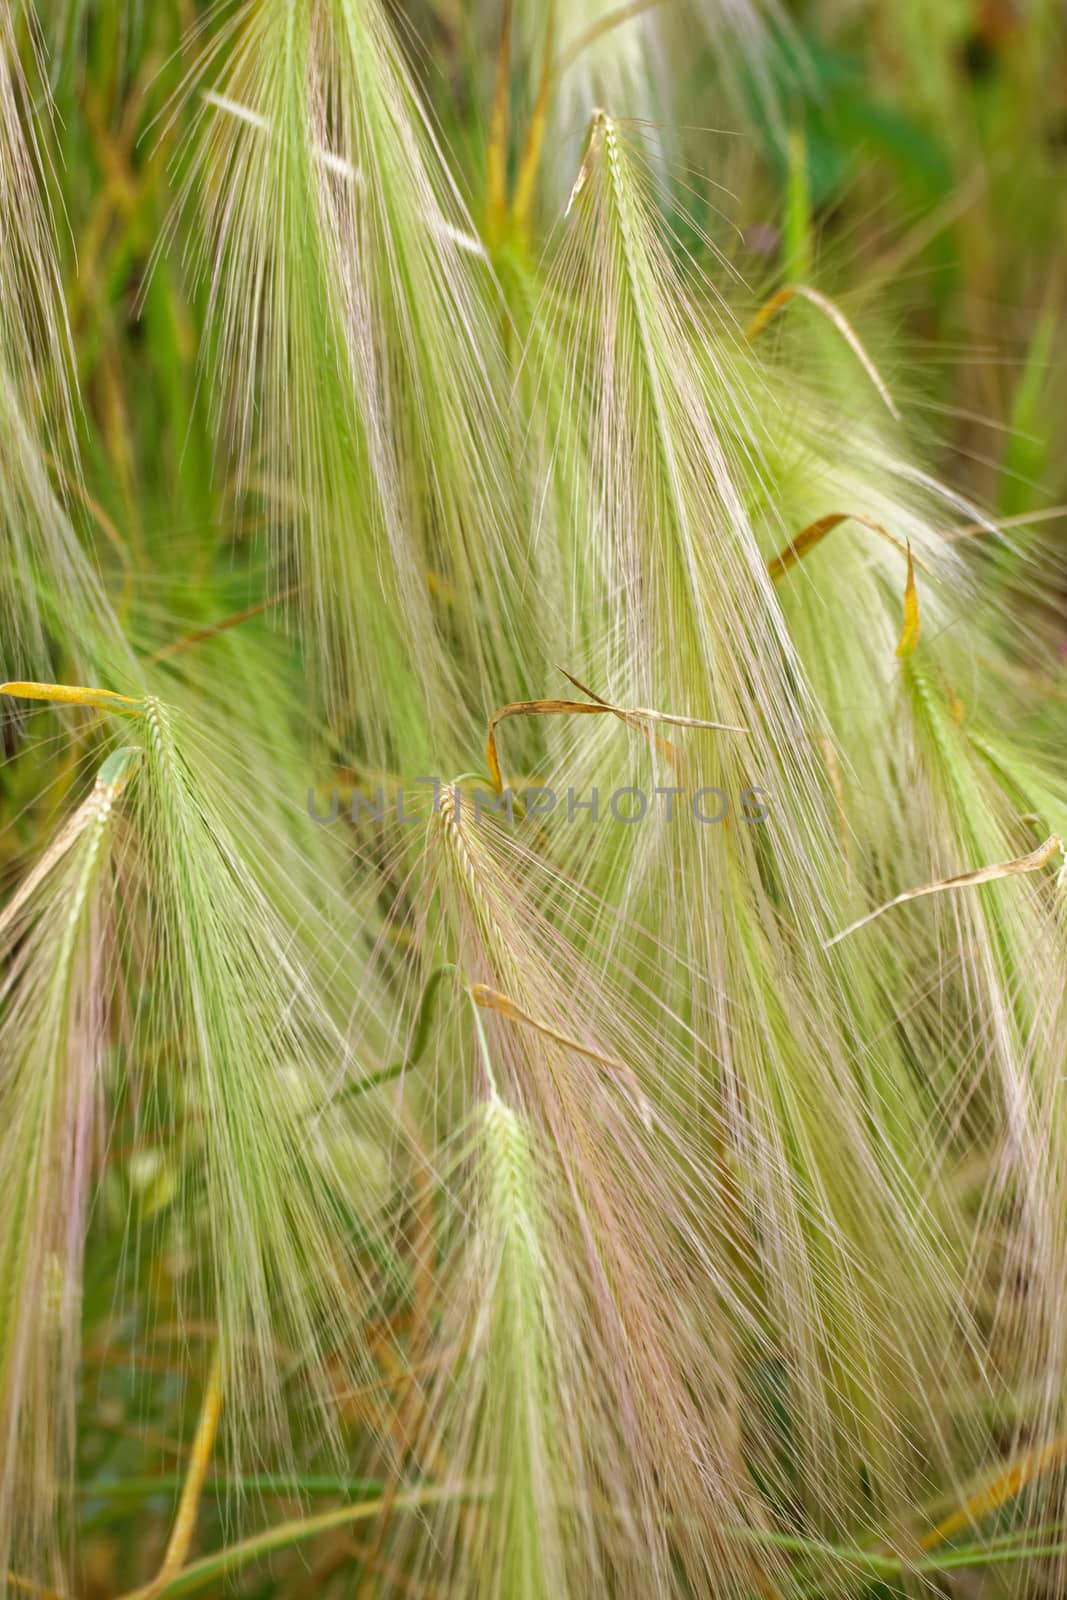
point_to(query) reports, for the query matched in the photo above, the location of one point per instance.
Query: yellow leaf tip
(73, 695)
(912, 624)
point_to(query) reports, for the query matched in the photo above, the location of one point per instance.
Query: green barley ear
(228, 1053)
(528, 1559)
(250, 1055)
(980, 802)
(972, 981)
(57, 945)
(670, 451)
(353, 322)
(584, 1368)
(825, 1136)
(505, 1390)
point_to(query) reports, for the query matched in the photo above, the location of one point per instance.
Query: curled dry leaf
(492, 1000)
(964, 880)
(816, 531)
(632, 716)
(768, 312)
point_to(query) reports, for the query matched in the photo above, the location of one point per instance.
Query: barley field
(533, 789)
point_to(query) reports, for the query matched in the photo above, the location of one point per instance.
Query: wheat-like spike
(323, 185)
(677, 460)
(230, 980)
(57, 945)
(593, 1266)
